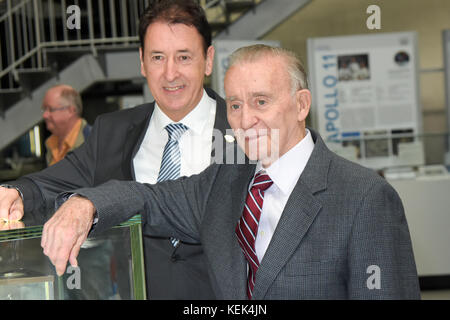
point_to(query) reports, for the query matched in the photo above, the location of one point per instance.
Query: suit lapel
(137, 130)
(220, 147)
(135, 134)
(298, 215)
(239, 188)
(227, 261)
(221, 122)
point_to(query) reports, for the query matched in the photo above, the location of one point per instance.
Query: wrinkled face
(174, 64)
(56, 113)
(267, 119)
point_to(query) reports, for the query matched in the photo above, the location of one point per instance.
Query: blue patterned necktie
(171, 159)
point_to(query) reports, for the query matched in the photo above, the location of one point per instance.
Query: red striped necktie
(247, 227)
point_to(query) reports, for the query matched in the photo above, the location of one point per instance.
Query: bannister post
(64, 20)
(91, 27)
(38, 32)
(51, 20)
(11, 38)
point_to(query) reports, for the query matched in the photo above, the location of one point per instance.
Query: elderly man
(135, 144)
(61, 110)
(302, 223)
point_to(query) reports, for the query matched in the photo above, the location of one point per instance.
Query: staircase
(41, 46)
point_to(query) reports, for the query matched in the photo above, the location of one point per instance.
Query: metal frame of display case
(137, 254)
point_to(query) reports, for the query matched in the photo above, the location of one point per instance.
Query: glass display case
(22, 284)
(110, 266)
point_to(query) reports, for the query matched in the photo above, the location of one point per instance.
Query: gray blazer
(340, 220)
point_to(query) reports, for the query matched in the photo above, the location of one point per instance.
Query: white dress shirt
(284, 173)
(195, 144)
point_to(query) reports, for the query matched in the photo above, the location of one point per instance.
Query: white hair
(295, 67)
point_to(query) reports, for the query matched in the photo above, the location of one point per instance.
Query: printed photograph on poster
(376, 144)
(353, 67)
(402, 137)
(352, 143)
(353, 146)
(401, 58)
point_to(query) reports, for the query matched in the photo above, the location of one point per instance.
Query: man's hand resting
(11, 205)
(66, 231)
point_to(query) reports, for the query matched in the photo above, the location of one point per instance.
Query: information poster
(366, 97)
(224, 48)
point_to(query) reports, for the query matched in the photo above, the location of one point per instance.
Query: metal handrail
(33, 25)
(27, 34)
(12, 10)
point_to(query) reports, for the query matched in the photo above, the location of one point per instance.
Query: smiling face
(267, 117)
(174, 63)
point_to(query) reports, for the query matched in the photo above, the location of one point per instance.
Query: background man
(176, 54)
(303, 223)
(61, 110)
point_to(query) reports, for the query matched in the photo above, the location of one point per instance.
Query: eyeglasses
(52, 109)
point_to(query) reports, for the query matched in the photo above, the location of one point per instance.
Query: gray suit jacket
(340, 220)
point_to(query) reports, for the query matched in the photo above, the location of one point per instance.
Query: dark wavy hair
(188, 12)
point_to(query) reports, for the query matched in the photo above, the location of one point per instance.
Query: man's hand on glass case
(11, 209)
(66, 231)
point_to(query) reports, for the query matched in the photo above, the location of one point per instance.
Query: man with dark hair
(139, 143)
(176, 12)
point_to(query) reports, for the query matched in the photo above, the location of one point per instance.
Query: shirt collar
(286, 170)
(69, 140)
(195, 120)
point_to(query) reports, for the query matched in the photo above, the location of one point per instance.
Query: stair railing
(30, 26)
